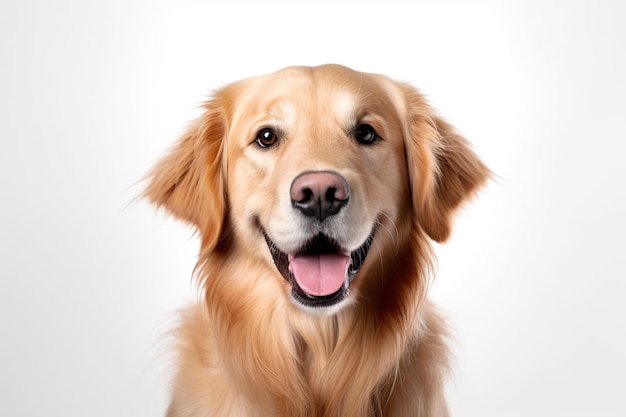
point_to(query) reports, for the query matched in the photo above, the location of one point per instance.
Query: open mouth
(321, 271)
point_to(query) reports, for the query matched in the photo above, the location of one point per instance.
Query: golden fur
(247, 348)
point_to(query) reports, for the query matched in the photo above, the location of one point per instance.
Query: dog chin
(320, 272)
(322, 311)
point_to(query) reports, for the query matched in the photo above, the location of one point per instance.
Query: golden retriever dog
(315, 192)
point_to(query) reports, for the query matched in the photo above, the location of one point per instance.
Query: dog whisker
(393, 232)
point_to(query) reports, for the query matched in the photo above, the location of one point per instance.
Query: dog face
(320, 174)
(315, 163)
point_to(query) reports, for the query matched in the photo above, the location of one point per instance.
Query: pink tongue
(319, 275)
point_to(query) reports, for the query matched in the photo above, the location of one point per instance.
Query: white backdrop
(92, 93)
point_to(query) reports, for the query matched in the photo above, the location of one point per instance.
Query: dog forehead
(289, 101)
(290, 109)
(307, 89)
(313, 99)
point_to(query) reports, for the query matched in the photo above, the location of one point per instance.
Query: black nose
(319, 194)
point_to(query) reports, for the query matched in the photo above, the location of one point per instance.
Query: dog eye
(366, 134)
(266, 138)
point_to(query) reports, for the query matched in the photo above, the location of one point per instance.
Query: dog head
(309, 168)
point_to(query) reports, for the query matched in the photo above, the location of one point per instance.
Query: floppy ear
(188, 182)
(444, 172)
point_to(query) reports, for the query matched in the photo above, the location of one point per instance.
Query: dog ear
(189, 181)
(443, 170)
